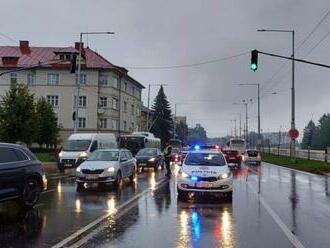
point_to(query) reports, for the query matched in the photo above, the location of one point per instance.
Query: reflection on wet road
(62, 211)
(271, 207)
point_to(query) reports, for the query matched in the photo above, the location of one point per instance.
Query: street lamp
(259, 135)
(79, 76)
(293, 145)
(174, 124)
(148, 112)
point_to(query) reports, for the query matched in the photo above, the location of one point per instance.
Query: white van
(79, 146)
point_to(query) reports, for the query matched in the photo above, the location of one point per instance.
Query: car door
(131, 163)
(11, 173)
(159, 157)
(123, 163)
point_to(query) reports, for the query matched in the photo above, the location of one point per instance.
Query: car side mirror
(123, 159)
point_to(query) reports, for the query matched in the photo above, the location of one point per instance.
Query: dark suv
(21, 175)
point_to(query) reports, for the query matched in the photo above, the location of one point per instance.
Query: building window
(83, 78)
(82, 122)
(53, 100)
(113, 124)
(13, 78)
(103, 102)
(114, 103)
(53, 79)
(82, 101)
(125, 107)
(115, 82)
(125, 87)
(132, 109)
(30, 79)
(137, 111)
(138, 94)
(133, 91)
(103, 79)
(132, 125)
(103, 123)
(125, 126)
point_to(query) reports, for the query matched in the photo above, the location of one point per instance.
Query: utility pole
(293, 125)
(240, 125)
(174, 124)
(76, 121)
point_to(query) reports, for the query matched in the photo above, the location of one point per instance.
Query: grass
(313, 166)
(45, 156)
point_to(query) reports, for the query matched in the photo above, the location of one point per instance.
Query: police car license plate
(205, 185)
(92, 177)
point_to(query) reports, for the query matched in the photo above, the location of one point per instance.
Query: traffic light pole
(78, 87)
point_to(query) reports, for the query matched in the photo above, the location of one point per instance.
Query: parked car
(204, 172)
(106, 167)
(252, 156)
(150, 157)
(233, 157)
(79, 146)
(21, 175)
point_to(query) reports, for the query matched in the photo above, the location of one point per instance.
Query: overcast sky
(157, 33)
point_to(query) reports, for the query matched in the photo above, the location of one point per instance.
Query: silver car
(108, 166)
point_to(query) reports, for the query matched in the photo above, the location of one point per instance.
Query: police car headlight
(111, 169)
(184, 175)
(224, 176)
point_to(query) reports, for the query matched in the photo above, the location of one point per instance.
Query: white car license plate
(92, 177)
(142, 164)
(205, 185)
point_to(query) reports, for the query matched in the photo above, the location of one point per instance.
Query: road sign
(293, 133)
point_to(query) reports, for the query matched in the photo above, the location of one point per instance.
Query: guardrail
(321, 155)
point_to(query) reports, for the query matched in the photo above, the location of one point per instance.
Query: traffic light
(254, 60)
(73, 64)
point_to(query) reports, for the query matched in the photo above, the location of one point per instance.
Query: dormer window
(66, 56)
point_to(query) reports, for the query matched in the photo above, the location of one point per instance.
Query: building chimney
(77, 45)
(24, 46)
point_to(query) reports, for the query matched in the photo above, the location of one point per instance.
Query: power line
(8, 37)
(318, 43)
(187, 65)
(314, 29)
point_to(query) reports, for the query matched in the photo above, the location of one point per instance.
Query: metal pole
(293, 143)
(148, 108)
(174, 126)
(240, 125)
(246, 116)
(78, 87)
(259, 135)
(235, 129)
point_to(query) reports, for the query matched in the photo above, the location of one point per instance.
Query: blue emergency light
(197, 147)
(194, 178)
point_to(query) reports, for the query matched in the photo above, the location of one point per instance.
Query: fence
(321, 155)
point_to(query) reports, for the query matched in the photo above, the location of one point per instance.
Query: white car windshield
(76, 145)
(210, 159)
(104, 156)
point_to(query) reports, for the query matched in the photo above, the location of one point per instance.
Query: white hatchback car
(204, 172)
(252, 156)
(108, 166)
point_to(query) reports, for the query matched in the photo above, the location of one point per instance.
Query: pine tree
(321, 139)
(162, 119)
(309, 135)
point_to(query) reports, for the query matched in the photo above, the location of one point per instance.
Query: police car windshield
(209, 159)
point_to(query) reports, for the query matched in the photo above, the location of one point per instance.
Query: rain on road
(290, 211)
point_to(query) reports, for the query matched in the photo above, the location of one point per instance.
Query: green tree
(182, 131)
(17, 115)
(46, 123)
(309, 135)
(197, 135)
(322, 135)
(162, 117)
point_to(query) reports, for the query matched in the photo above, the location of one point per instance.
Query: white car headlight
(184, 175)
(152, 160)
(111, 169)
(60, 154)
(224, 176)
(83, 154)
(78, 169)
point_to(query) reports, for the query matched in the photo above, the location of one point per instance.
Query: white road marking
(291, 237)
(94, 223)
(48, 191)
(299, 171)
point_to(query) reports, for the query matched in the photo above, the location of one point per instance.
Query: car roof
(113, 150)
(205, 151)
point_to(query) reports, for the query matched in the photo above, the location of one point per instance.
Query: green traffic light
(253, 67)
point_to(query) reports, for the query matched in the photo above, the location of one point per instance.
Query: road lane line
(291, 237)
(94, 223)
(48, 191)
(291, 169)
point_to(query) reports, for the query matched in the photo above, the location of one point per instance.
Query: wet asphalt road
(292, 210)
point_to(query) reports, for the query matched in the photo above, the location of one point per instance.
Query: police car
(204, 172)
